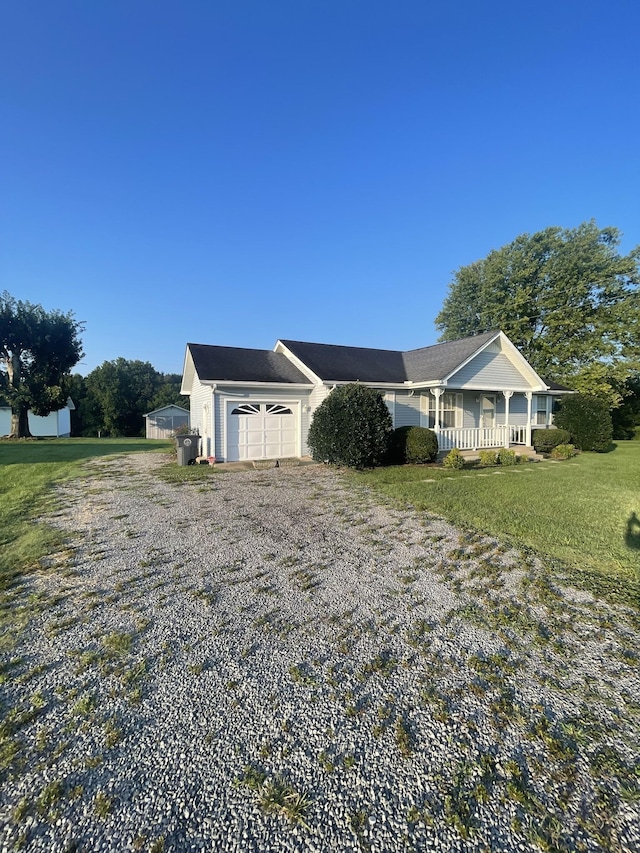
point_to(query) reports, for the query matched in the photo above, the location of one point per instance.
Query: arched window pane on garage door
(247, 409)
(277, 409)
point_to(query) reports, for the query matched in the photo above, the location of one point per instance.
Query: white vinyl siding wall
(407, 409)
(200, 395)
(316, 397)
(489, 370)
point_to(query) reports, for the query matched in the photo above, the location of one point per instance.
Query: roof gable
(437, 362)
(236, 364)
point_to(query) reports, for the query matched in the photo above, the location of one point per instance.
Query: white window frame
(538, 410)
(453, 398)
(390, 400)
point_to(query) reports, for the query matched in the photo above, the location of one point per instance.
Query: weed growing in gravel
(277, 797)
(103, 804)
(48, 798)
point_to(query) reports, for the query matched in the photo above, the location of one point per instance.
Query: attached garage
(261, 430)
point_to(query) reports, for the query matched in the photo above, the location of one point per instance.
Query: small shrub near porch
(414, 445)
(454, 459)
(488, 458)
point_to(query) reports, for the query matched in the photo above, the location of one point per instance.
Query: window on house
(450, 410)
(541, 413)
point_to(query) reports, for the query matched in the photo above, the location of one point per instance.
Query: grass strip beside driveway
(579, 512)
(28, 470)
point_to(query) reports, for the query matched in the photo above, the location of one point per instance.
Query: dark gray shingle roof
(352, 364)
(334, 363)
(236, 364)
(439, 360)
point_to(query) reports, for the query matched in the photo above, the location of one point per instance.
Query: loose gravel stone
(203, 654)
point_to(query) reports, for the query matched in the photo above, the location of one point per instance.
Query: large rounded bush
(588, 419)
(351, 427)
(413, 444)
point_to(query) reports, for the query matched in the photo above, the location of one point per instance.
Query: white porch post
(507, 396)
(529, 396)
(437, 393)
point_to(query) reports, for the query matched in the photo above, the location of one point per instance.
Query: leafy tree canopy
(565, 297)
(115, 396)
(38, 348)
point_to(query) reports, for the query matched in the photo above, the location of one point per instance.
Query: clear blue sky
(235, 172)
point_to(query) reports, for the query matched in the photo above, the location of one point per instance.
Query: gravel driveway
(278, 661)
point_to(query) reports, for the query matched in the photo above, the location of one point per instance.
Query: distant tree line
(114, 398)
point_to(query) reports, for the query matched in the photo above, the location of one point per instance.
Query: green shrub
(413, 444)
(507, 457)
(588, 419)
(454, 459)
(544, 440)
(488, 457)
(351, 427)
(397, 451)
(563, 451)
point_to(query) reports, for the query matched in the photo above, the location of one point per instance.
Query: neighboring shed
(55, 425)
(162, 423)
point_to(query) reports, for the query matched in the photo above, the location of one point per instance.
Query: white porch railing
(481, 437)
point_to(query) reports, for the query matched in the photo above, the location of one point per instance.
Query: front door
(488, 411)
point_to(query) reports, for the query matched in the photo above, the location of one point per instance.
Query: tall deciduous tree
(124, 391)
(566, 298)
(38, 348)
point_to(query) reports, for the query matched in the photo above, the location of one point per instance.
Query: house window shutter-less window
(450, 410)
(542, 410)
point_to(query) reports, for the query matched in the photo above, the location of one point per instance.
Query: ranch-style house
(477, 392)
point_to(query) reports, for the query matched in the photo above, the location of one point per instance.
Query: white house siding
(200, 397)
(518, 410)
(488, 370)
(317, 396)
(407, 409)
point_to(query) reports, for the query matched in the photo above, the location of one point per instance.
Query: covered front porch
(480, 438)
(472, 419)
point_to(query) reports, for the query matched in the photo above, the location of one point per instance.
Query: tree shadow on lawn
(632, 534)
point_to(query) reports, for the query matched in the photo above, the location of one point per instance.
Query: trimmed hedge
(588, 419)
(351, 427)
(544, 440)
(413, 444)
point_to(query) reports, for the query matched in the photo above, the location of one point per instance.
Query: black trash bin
(188, 449)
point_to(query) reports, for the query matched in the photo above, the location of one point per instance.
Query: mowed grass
(581, 512)
(28, 470)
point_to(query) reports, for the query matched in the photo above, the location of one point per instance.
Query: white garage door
(261, 431)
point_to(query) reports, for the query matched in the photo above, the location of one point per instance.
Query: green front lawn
(28, 469)
(581, 512)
